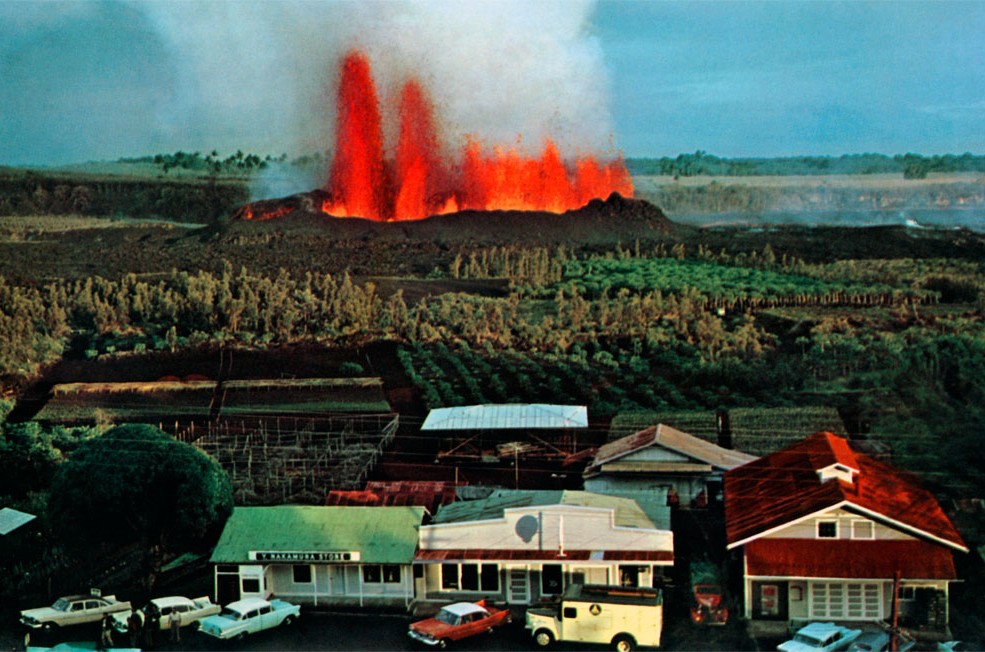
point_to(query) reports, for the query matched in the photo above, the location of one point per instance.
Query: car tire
(543, 638)
(289, 621)
(623, 643)
(239, 637)
(444, 643)
(49, 628)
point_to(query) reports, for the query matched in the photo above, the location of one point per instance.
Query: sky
(88, 80)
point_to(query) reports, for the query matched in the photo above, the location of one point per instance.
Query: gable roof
(385, 535)
(786, 486)
(673, 439)
(627, 512)
(507, 417)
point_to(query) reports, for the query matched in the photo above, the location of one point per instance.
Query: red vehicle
(707, 585)
(457, 621)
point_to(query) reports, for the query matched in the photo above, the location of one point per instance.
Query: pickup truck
(249, 616)
(72, 610)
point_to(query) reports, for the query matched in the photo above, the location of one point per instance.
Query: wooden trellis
(273, 460)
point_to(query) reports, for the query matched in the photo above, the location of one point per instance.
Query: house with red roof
(823, 530)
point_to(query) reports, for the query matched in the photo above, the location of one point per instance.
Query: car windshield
(61, 604)
(231, 614)
(807, 640)
(446, 617)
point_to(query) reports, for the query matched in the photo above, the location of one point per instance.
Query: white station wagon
(189, 610)
(249, 616)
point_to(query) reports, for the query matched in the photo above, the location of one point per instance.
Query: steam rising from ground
(261, 76)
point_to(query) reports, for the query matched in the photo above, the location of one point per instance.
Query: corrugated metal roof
(11, 519)
(507, 417)
(675, 440)
(493, 554)
(627, 512)
(782, 487)
(385, 535)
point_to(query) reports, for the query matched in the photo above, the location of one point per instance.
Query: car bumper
(422, 638)
(33, 624)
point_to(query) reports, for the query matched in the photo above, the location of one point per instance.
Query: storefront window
(489, 579)
(629, 575)
(391, 574)
(551, 579)
(372, 574)
(470, 577)
(449, 577)
(302, 574)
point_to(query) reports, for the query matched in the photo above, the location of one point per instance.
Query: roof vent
(837, 471)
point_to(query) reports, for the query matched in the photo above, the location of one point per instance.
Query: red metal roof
(848, 558)
(784, 486)
(428, 494)
(544, 555)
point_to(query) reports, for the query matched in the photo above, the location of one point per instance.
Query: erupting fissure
(421, 181)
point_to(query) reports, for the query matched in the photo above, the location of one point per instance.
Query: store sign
(305, 556)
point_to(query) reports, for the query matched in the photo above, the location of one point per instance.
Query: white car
(820, 637)
(189, 610)
(249, 616)
(72, 610)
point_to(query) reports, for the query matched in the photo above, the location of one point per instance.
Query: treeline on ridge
(701, 163)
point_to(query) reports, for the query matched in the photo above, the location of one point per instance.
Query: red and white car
(457, 621)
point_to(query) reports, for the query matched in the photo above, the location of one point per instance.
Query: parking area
(328, 630)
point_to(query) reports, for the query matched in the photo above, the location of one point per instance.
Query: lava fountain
(422, 181)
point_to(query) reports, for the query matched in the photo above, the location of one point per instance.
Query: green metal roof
(628, 512)
(383, 535)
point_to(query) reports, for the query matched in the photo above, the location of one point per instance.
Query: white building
(339, 556)
(522, 546)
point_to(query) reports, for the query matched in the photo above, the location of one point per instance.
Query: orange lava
(421, 181)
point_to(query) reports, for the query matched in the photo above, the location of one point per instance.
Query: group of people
(141, 627)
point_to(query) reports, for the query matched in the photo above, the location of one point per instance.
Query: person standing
(134, 624)
(106, 633)
(174, 622)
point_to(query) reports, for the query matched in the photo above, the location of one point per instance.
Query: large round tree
(136, 485)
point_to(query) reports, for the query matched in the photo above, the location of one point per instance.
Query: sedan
(457, 621)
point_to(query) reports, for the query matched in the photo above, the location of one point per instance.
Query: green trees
(137, 485)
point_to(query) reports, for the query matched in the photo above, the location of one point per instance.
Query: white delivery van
(623, 617)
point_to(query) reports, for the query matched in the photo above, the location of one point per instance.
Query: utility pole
(894, 630)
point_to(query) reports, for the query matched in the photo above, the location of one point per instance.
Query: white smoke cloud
(260, 76)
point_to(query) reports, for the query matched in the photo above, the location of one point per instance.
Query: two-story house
(823, 530)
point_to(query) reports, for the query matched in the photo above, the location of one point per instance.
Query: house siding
(807, 529)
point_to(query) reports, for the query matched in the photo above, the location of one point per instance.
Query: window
(489, 578)
(250, 585)
(469, 577)
(863, 530)
(907, 593)
(449, 577)
(827, 529)
(302, 574)
(855, 601)
(391, 574)
(570, 612)
(551, 579)
(629, 575)
(372, 574)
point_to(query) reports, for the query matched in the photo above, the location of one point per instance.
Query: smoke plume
(263, 76)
